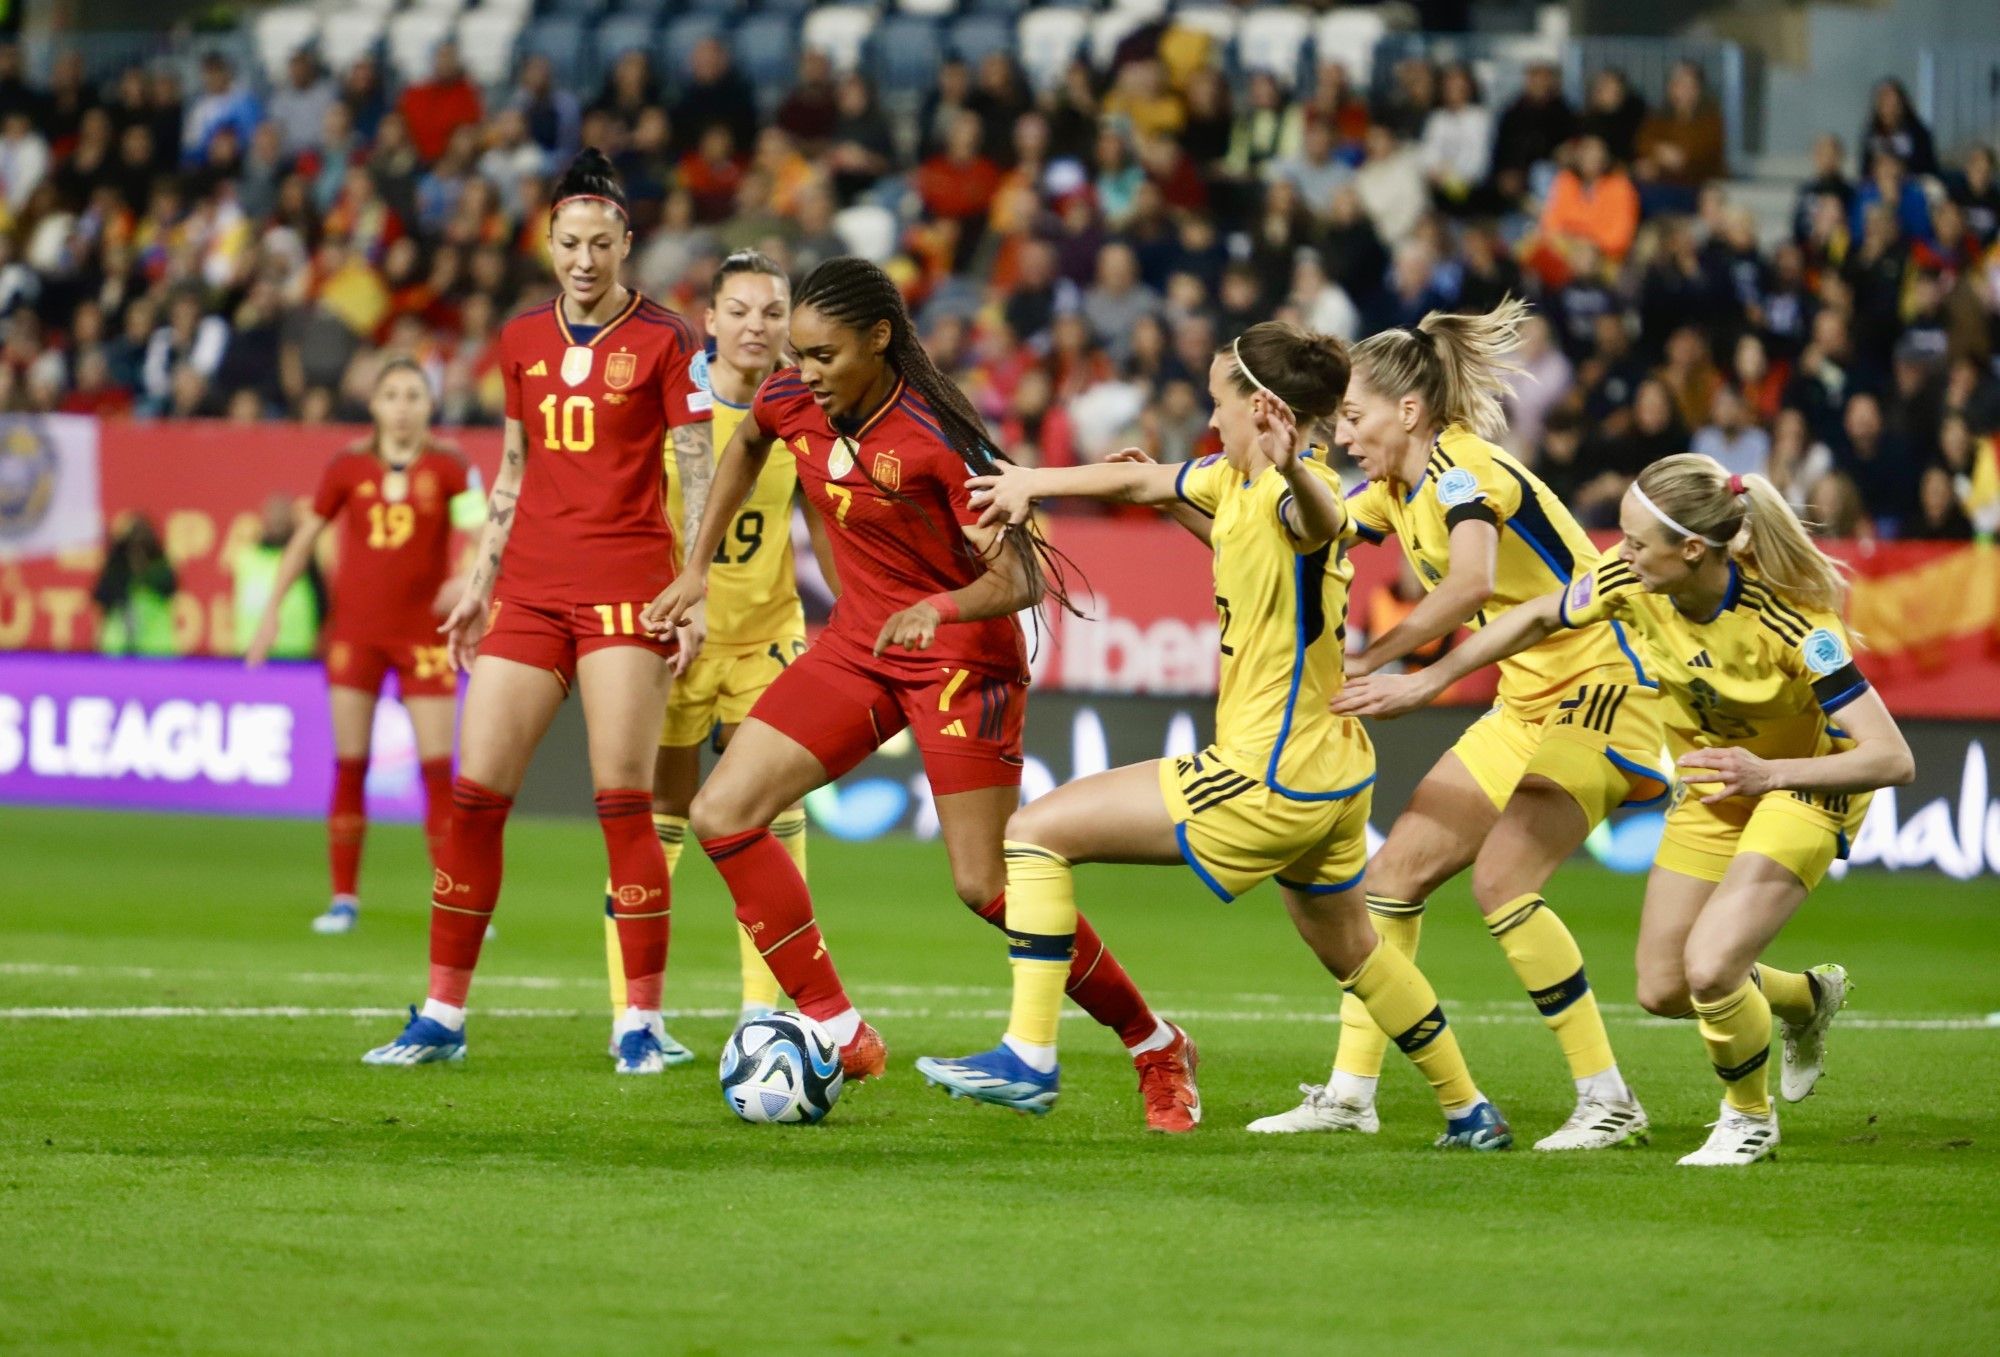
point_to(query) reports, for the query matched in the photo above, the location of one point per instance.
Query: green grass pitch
(197, 1181)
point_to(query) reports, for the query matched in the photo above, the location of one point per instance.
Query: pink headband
(611, 203)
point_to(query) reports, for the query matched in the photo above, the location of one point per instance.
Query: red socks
(773, 904)
(1097, 982)
(465, 887)
(437, 803)
(346, 824)
(639, 892)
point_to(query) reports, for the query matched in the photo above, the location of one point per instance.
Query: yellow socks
(1545, 958)
(760, 987)
(1737, 1030)
(671, 831)
(1790, 993)
(1403, 1004)
(1041, 935)
(1362, 1043)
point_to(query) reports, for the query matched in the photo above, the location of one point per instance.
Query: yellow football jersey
(1762, 674)
(1541, 546)
(1282, 605)
(753, 594)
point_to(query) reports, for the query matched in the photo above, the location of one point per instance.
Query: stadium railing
(1958, 95)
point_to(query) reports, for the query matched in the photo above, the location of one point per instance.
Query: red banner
(1928, 612)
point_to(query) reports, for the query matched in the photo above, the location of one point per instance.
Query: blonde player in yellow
(1284, 790)
(756, 625)
(1739, 616)
(1574, 734)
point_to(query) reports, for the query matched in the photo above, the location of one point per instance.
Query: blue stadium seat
(581, 9)
(726, 8)
(651, 8)
(767, 50)
(784, 6)
(680, 38)
(560, 38)
(622, 33)
(906, 53)
(1007, 7)
(973, 36)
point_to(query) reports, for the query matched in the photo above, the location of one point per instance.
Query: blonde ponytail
(1457, 365)
(1757, 524)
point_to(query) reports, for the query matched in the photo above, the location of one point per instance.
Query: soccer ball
(784, 1067)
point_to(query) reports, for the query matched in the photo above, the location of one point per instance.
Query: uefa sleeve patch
(1458, 486)
(1825, 653)
(698, 370)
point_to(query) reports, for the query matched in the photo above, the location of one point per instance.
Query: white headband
(1657, 512)
(1236, 350)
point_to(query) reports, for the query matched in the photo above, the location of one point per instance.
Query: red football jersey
(395, 542)
(596, 408)
(894, 499)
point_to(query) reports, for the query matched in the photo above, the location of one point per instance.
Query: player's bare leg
(1435, 838)
(762, 772)
(353, 713)
(624, 691)
(1116, 816)
(507, 711)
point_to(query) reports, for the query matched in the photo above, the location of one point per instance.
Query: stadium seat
(1145, 9)
(582, 9)
(448, 8)
(486, 39)
(651, 8)
(1049, 39)
(1109, 29)
(618, 34)
(413, 36)
(974, 36)
(767, 50)
(520, 9)
(347, 37)
(726, 8)
(841, 32)
(281, 32)
(906, 52)
(1274, 40)
(868, 230)
(783, 6)
(560, 38)
(1348, 36)
(928, 9)
(681, 37)
(1218, 21)
(1004, 7)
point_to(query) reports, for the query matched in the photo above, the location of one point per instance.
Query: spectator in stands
(712, 173)
(1141, 96)
(1322, 304)
(958, 182)
(1531, 130)
(1210, 120)
(950, 95)
(1457, 139)
(298, 108)
(1730, 437)
(1115, 303)
(1316, 172)
(1391, 184)
(1413, 93)
(1798, 461)
(510, 156)
(1889, 184)
(554, 116)
(97, 391)
(1978, 195)
(438, 107)
(366, 95)
(1824, 378)
(1829, 178)
(716, 95)
(1592, 200)
(16, 94)
(24, 162)
(188, 338)
(863, 149)
(629, 90)
(1878, 463)
(1335, 104)
(1612, 113)
(1893, 127)
(1544, 383)
(811, 109)
(1679, 148)
(1267, 129)
(225, 101)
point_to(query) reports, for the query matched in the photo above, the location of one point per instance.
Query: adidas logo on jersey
(955, 728)
(540, 369)
(1701, 661)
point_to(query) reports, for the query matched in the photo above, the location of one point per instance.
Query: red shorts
(422, 670)
(555, 636)
(967, 724)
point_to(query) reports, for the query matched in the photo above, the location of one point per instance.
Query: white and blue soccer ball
(783, 1067)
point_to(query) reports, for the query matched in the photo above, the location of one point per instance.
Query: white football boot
(1321, 1111)
(1599, 1124)
(1737, 1139)
(1805, 1043)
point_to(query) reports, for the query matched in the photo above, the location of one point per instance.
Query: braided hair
(852, 292)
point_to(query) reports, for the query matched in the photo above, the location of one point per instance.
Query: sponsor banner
(186, 735)
(204, 485)
(49, 496)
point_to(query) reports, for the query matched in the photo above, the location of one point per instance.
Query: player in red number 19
(596, 380)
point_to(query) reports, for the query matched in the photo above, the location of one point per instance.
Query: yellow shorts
(1801, 832)
(1602, 745)
(1235, 832)
(722, 685)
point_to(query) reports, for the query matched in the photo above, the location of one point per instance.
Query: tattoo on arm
(694, 458)
(500, 506)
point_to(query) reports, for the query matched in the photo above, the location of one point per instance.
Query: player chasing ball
(1575, 731)
(596, 381)
(398, 496)
(1284, 790)
(756, 625)
(1738, 613)
(923, 636)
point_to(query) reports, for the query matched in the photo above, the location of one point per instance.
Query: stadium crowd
(1074, 255)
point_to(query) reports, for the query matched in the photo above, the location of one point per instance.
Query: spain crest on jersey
(888, 471)
(620, 368)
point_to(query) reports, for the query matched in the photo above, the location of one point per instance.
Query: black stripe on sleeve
(1477, 509)
(1839, 688)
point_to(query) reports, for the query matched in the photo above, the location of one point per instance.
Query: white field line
(64, 1013)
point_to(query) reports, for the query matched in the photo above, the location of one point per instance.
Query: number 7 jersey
(596, 406)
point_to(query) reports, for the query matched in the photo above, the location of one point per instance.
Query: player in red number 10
(596, 381)
(923, 637)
